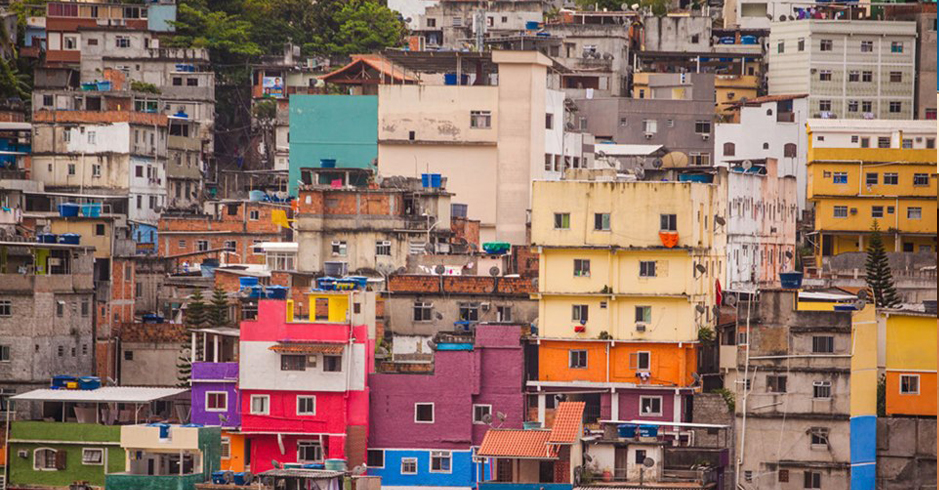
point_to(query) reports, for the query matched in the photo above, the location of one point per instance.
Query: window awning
(307, 348)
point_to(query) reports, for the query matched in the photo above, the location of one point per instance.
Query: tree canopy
(879, 276)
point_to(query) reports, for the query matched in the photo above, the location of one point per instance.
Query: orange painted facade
(669, 364)
(922, 404)
(236, 456)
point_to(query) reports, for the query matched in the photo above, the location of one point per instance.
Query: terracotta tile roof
(515, 443)
(375, 61)
(307, 348)
(568, 424)
(770, 98)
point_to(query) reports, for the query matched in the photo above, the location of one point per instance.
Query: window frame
(55, 453)
(562, 225)
(772, 383)
(644, 268)
(310, 443)
(433, 412)
(480, 119)
(920, 183)
(603, 220)
(823, 342)
(584, 268)
(224, 443)
(98, 450)
(305, 398)
(479, 421)
(382, 246)
(672, 222)
(817, 385)
(909, 376)
(835, 212)
(571, 353)
(267, 405)
(409, 461)
(382, 451)
(438, 454)
(423, 306)
(909, 212)
(661, 410)
(6, 304)
(216, 393)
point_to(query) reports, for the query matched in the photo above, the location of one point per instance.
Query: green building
(343, 128)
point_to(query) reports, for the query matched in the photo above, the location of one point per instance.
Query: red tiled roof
(768, 98)
(515, 443)
(376, 62)
(568, 424)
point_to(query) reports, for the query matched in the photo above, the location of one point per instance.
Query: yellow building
(95, 232)
(727, 88)
(910, 369)
(860, 172)
(605, 265)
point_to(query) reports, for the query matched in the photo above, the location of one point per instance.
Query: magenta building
(425, 427)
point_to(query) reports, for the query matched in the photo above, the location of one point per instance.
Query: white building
(851, 69)
(768, 127)
(873, 134)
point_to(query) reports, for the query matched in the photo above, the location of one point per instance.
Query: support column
(614, 404)
(541, 408)
(215, 348)
(676, 410)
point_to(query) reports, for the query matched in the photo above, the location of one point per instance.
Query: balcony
(788, 117)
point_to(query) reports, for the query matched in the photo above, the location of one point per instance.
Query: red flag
(718, 293)
(336, 184)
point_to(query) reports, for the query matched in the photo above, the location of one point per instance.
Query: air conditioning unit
(648, 136)
(640, 327)
(484, 306)
(23, 453)
(705, 137)
(853, 210)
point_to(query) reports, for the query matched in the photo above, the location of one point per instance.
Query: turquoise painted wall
(69, 437)
(341, 127)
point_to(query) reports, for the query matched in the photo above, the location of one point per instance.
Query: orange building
(604, 361)
(910, 369)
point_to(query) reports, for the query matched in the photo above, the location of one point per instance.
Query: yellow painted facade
(95, 232)
(620, 295)
(853, 187)
(905, 357)
(864, 362)
(734, 88)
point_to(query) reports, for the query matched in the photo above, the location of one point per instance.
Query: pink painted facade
(323, 401)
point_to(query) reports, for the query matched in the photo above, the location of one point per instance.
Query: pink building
(302, 381)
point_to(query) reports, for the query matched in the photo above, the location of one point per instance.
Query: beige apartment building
(851, 69)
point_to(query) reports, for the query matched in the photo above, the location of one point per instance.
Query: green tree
(217, 314)
(879, 276)
(196, 310)
(364, 26)
(882, 396)
(196, 317)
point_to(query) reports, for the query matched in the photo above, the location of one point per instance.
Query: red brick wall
(244, 246)
(227, 281)
(372, 202)
(524, 261)
(154, 332)
(467, 229)
(240, 221)
(111, 116)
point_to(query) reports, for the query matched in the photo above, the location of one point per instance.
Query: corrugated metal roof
(116, 394)
(515, 443)
(619, 150)
(568, 424)
(303, 473)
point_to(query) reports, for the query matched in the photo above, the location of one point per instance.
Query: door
(546, 471)
(826, 245)
(620, 460)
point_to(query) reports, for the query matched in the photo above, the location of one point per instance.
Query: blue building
(145, 236)
(409, 468)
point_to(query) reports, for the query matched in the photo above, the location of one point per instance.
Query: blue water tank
(89, 382)
(627, 431)
(277, 292)
(449, 78)
(648, 431)
(68, 210)
(70, 239)
(790, 280)
(247, 281)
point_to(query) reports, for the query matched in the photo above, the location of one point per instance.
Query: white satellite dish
(747, 164)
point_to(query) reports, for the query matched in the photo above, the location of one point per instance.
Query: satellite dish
(648, 462)
(432, 344)
(700, 308)
(859, 304)
(494, 271)
(719, 220)
(788, 254)
(583, 321)
(228, 476)
(440, 269)
(429, 247)
(501, 416)
(487, 419)
(438, 315)
(588, 458)
(862, 294)
(657, 163)
(675, 159)
(275, 464)
(782, 18)
(222, 419)
(534, 282)
(623, 6)
(696, 377)
(359, 470)
(731, 300)
(701, 268)
(747, 164)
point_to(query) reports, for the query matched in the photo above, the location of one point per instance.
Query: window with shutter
(60, 460)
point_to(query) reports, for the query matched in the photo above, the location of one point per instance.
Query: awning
(307, 348)
(106, 394)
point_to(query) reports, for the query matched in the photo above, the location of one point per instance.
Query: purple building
(215, 378)
(421, 433)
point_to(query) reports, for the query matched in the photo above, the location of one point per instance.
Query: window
(821, 389)
(254, 215)
(60, 309)
(854, 76)
(562, 221)
(332, 364)
(896, 47)
(469, 312)
(695, 38)
(67, 136)
(503, 313)
(6, 308)
(840, 211)
(69, 43)
(640, 361)
(4, 353)
(826, 45)
(306, 405)
(865, 142)
(867, 46)
(877, 211)
(422, 311)
(549, 121)
(260, 404)
(883, 142)
(914, 213)
(192, 82)
(375, 458)
(890, 209)
(383, 248)
(440, 461)
(930, 142)
(48, 101)
(601, 221)
(430, 23)
(650, 405)
(839, 178)
(232, 245)
(824, 75)
(581, 268)
(801, 44)
(92, 137)
(867, 76)
(643, 314)
(309, 452)
(650, 126)
(824, 105)
(871, 178)
(71, 169)
(480, 119)
(579, 313)
(226, 448)
(896, 106)
(202, 245)
(781, 47)
(909, 384)
(776, 384)
(216, 401)
(920, 179)
(408, 466)
(668, 222)
(47, 459)
(896, 77)
(339, 248)
(182, 244)
(702, 127)
(783, 476)
(813, 479)
(480, 412)
(178, 81)
(99, 229)
(424, 413)
(577, 359)
(730, 149)
(819, 436)
(292, 362)
(823, 344)
(647, 268)
(128, 355)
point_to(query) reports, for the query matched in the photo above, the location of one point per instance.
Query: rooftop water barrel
(277, 292)
(89, 382)
(648, 431)
(70, 239)
(790, 280)
(61, 380)
(327, 162)
(247, 281)
(68, 210)
(47, 238)
(335, 464)
(627, 431)
(91, 210)
(256, 196)
(532, 25)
